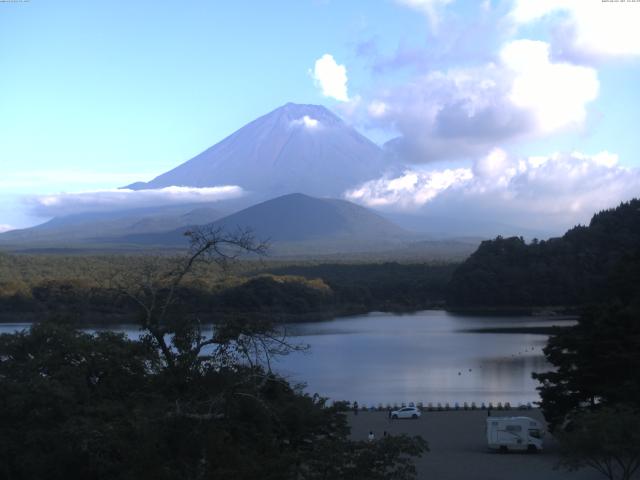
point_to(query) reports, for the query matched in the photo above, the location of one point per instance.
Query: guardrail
(440, 406)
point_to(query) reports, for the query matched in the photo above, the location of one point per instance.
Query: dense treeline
(75, 405)
(591, 399)
(572, 270)
(84, 287)
(178, 403)
(597, 359)
(384, 286)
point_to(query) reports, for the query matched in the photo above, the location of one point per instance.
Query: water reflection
(429, 356)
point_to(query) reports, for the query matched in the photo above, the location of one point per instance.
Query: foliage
(82, 287)
(179, 403)
(596, 362)
(69, 401)
(276, 294)
(387, 458)
(571, 270)
(597, 359)
(607, 439)
(592, 396)
(384, 286)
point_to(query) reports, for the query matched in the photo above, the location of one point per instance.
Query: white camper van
(514, 433)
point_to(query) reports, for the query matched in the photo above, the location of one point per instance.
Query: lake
(428, 356)
(420, 357)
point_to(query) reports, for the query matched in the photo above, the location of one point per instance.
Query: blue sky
(96, 95)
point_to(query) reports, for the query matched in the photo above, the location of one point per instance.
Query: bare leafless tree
(184, 347)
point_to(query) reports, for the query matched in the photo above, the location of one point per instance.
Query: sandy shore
(459, 449)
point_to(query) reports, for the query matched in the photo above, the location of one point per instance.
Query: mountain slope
(297, 218)
(440, 227)
(574, 269)
(85, 227)
(295, 148)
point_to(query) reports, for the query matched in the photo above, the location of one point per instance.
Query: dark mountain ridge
(295, 218)
(572, 270)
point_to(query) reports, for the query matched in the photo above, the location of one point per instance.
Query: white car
(406, 412)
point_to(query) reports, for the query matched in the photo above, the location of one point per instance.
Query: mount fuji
(294, 148)
(292, 165)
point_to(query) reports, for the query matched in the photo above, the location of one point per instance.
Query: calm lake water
(427, 356)
(420, 357)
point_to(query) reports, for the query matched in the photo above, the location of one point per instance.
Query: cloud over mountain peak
(294, 148)
(554, 191)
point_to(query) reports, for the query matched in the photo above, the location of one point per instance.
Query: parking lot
(459, 448)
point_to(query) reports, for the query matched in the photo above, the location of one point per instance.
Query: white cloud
(496, 168)
(431, 8)
(307, 122)
(331, 78)
(555, 191)
(5, 228)
(525, 11)
(377, 108)
(411, 189)
(604, 158)
(587, 28)
(464, 112)
(119, 199)
(556, 93)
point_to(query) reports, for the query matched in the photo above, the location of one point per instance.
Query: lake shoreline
(106, 319)
(550, 330)
(509, 311)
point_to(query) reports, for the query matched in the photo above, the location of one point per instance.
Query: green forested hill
(578, 268)
(85, 287)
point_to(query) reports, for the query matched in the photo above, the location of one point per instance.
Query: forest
(176, 403)
(581, 267)
(585, 265)
(86, 287)
(590, 398)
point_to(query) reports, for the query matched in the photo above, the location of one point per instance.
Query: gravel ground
(459, 448)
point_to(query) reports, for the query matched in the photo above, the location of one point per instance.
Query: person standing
(371, 436)
(355, 408)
